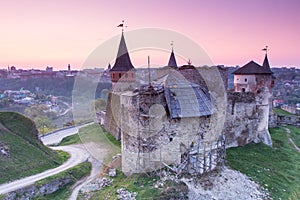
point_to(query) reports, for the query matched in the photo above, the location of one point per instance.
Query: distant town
(286, 92)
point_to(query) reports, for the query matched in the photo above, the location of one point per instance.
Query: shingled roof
(253, 68)
(123, 62)
(185, 99)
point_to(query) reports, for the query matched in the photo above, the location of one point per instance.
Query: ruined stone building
(184, 118)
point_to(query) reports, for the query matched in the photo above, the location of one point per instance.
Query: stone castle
(184, 117)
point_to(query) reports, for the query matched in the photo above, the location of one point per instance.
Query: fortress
(185, 118)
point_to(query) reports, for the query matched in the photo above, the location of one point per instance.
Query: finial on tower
(189, 62)
(122, 25)
(172, 45)
(265, 49)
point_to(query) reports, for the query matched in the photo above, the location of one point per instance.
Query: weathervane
(122, 25)
(265, 49)
(172, 44)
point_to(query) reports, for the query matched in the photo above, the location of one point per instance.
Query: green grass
(71, 139)
(295, 134)
(93, 132)
(142, 184)
(279, 111)
(75, 173)
(104, 145)
(276, 169)
(28, 155)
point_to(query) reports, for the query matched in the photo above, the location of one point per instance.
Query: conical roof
(123, 62)
(172, 61)
(266, 64)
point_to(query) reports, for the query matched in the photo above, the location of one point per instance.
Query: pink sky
(37, 33)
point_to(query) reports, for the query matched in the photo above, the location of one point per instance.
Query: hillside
(21, 152)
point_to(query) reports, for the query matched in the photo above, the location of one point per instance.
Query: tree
(38, 110)
(43, 124)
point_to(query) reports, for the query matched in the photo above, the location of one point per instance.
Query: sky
(36, 34)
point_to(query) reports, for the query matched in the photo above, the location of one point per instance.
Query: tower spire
(172, 61)
(266, 64)
(265, 49)
(123, 62)
(122, 70)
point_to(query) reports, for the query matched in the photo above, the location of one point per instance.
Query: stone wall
(287, 120)
(112, 110)
(246, 119)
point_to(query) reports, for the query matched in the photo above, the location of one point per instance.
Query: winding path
(78, 154)
(96, 167)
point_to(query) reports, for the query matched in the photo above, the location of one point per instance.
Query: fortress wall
(246, 119)
(112, 109)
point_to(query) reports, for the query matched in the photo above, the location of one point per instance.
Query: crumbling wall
(246, 119)
(149, 150)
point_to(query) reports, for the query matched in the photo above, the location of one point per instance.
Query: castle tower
(257, 79)
(123, 70)
(253, 78)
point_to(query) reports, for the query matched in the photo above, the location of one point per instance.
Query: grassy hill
(22, 154)
(276, 169)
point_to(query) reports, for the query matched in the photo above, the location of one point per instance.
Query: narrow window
(120, 75)
(245, 80)
(243, 90)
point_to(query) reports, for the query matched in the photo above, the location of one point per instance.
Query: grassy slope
(295, 134)
(277, 168)
(101, 139)
(279, 111)
(93, 132)
(28, 156)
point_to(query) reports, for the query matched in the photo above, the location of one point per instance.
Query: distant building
(278, 103)
(49, 69)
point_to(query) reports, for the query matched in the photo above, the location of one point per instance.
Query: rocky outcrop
(38, 190)
(124, 194)
(4, 150)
